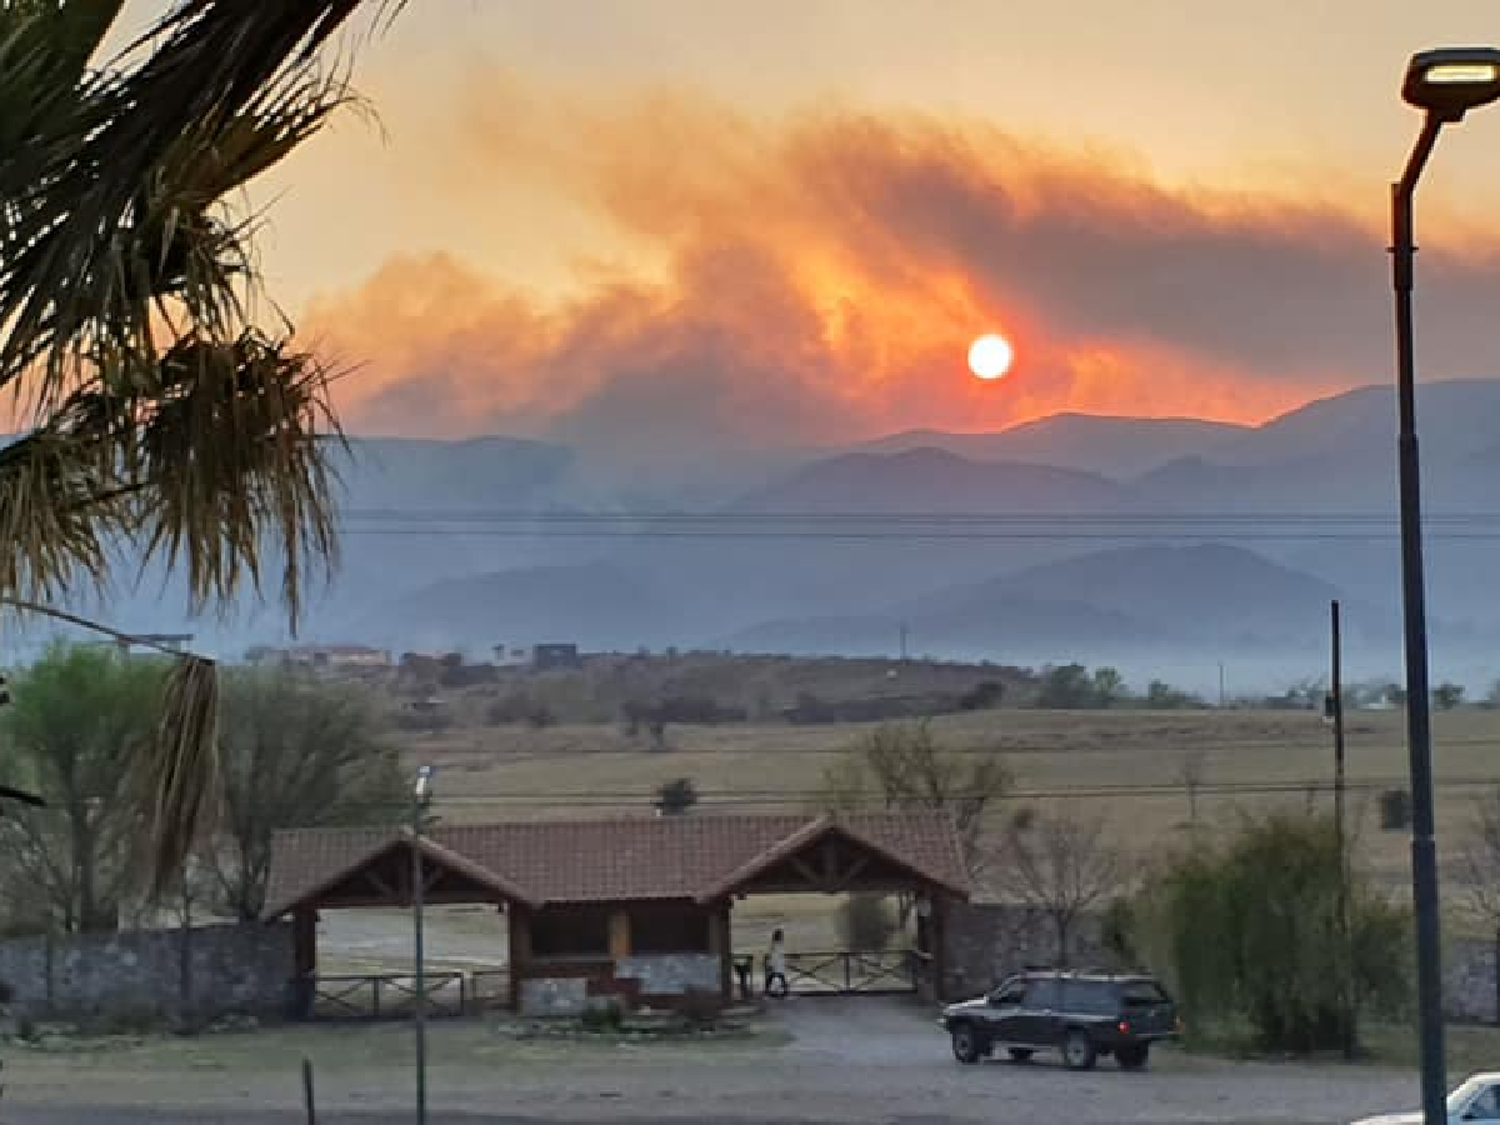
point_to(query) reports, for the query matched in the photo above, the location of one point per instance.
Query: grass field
(1250, 760)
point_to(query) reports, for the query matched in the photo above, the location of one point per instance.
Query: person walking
(776, 983)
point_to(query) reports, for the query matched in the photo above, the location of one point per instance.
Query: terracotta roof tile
(614, 860)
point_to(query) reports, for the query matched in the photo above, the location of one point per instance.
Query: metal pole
(1346, 1014)
(418, 955)
(1418, 703)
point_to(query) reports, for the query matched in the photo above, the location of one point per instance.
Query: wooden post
(520, 950)
(309, 1102)
(938, 933)
(619, 935)
(304, 960)
(720, 945)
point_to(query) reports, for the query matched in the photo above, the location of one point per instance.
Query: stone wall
(138, 974)
(1469, 981)
(986, 942)
(671, 974)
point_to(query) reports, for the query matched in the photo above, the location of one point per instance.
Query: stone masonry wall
(239, 970)
(671, 974)
(988, 941)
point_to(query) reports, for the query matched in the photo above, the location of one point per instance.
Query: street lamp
(1446, 84)
(419, 797)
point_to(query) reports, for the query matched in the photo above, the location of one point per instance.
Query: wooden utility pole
(1336, 713)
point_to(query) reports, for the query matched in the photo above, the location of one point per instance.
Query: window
(564, 932)
(1088, 997)
(1010, 996)
(669, 928)
(1142, 994)
(1043, 995)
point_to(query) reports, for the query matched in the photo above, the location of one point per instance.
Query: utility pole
(904, 632)
(1336, 713)
(418, 799)
(1223, 699)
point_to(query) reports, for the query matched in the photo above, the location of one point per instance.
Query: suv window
(1043, 994)
(1011, 995)
(1089, 997)
(1142, 994)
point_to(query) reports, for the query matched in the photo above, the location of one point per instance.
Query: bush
(603, 1018)
(1250, 932)
(866, 922)
(983, 696)
(674, 798)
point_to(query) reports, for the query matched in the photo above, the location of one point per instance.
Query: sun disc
(990, 356)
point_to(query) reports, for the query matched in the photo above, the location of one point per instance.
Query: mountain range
(1150, 542)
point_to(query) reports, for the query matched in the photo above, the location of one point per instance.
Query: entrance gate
(848, 972)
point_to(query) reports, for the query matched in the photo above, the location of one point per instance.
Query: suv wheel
(1133, 1057)
(969, 1045)
(1078, 1051)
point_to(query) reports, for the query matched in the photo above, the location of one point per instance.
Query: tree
(298, 752)
(673, 798)
(1109, 687)
(1480, 865)
(1067, 687)
(903, 766)
(1447, 695)
(161, 419)
(1250, 931)
(1062, 865)
(1162, 696)
(78, 715)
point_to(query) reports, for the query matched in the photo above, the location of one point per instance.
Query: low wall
(138, 974)
(671, 974)
(1469, 981)
(986, 942)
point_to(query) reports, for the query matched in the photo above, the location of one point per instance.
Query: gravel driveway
(860, 1060)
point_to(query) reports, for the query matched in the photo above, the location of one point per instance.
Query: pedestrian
(776, 984)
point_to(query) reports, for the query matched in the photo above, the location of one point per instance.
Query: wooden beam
(619, 934)
(852, 872)
(801, 867)
(381, 886)
(830, 864)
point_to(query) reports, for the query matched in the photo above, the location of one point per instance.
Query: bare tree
(298, 752)
(1190, 774)
(904, 766)
(1062, 865)
(1480, 865)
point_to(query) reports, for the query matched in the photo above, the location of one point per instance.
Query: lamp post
(419, 794)
(1445, 84)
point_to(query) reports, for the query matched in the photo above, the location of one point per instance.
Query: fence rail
(847, 971)
(376, 995)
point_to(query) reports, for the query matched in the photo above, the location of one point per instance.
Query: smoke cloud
(818, 277)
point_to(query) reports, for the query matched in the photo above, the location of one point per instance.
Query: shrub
(866, 923)
(1250, 931)
(603, 1017)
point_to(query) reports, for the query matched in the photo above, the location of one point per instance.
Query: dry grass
(597, 770)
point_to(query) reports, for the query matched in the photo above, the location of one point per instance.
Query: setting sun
(990, 356)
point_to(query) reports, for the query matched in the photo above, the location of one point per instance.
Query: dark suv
(1084, 1015)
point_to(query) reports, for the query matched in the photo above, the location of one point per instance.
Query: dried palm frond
(160, 415)
(175, 782)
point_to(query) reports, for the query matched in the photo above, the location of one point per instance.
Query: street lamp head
(424, 777)
(1449, 82)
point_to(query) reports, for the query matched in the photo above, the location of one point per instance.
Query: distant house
(552, 656)
(334, 656)
(511, 656)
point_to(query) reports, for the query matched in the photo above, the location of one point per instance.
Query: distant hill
(933, 481)
(1116, 447)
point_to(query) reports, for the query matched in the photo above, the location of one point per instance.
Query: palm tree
(158, 415)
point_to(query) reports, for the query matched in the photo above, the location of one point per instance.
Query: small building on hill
(635, 909)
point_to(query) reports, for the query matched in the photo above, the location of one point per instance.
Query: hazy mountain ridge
(841, 577)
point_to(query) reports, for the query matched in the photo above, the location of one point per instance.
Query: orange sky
(783, 223)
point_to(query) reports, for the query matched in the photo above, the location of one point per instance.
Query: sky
(712, 223)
